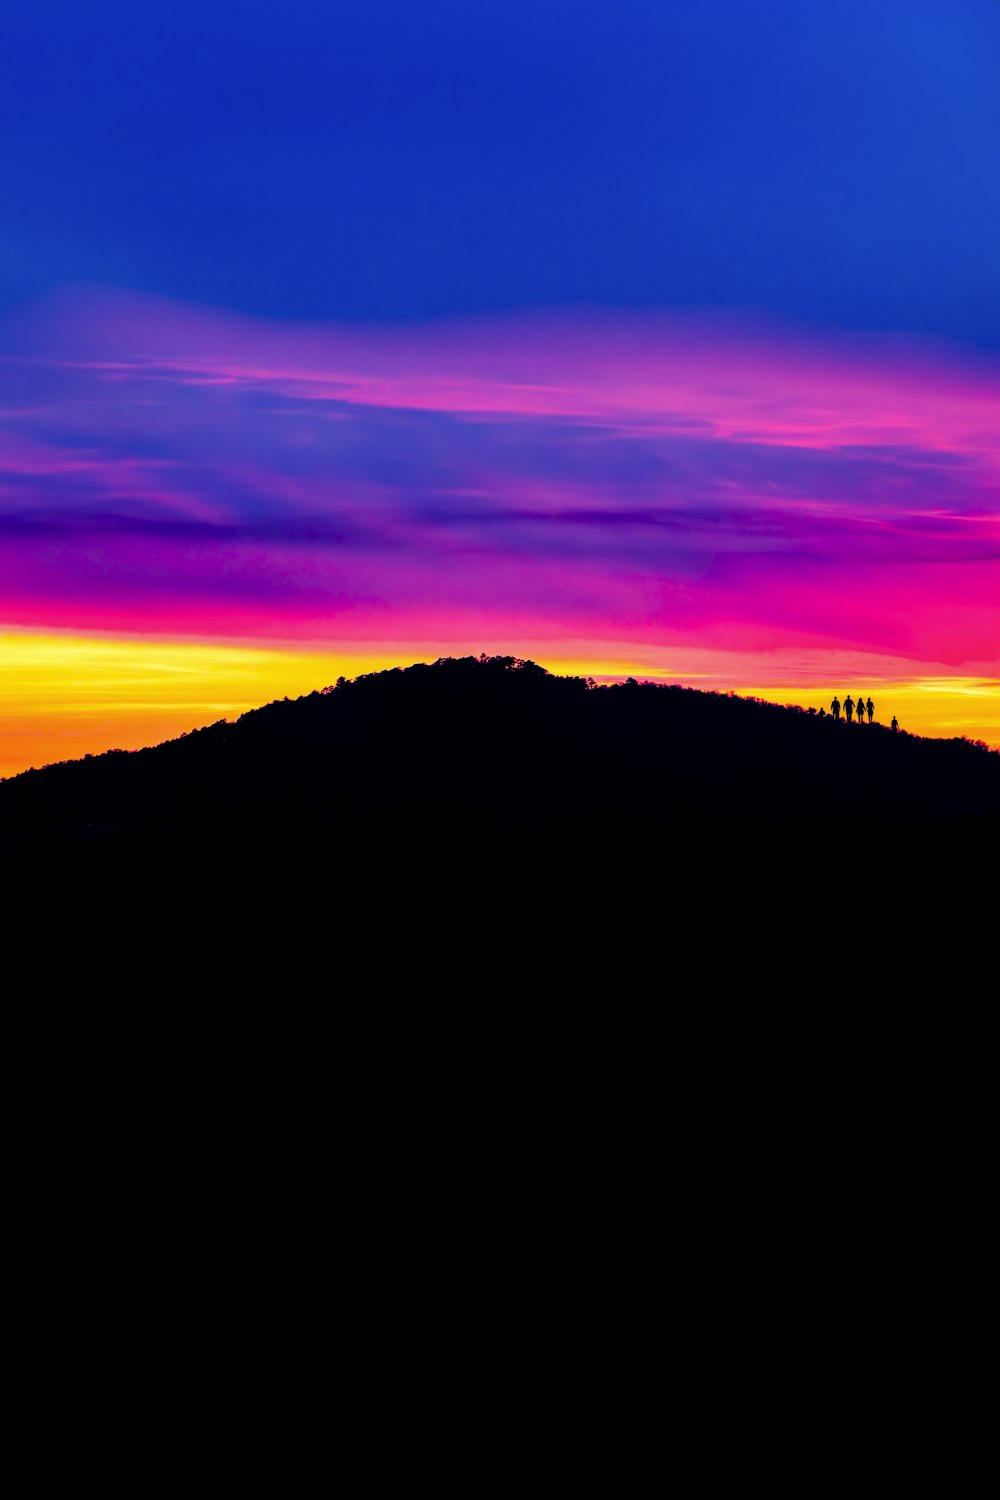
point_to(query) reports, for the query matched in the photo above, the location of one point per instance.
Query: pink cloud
(180, 470)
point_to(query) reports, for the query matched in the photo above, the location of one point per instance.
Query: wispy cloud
(166, 468)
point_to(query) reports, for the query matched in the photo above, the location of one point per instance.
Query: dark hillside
(495, 746)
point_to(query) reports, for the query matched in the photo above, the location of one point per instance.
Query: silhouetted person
(871, 710)
(822, 713)
(861, 708)
(895, 722)
(835, 708)
(849, 708)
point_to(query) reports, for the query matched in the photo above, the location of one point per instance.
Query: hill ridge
(497, 743)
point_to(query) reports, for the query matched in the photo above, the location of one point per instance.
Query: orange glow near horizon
(64, 696)
(942, 708)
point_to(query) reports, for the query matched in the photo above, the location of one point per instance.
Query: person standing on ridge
(895, 724)
(849, 708)
(835, 707)
(861, 708)
(871, 710)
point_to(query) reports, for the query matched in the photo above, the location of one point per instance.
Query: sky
(655, 339)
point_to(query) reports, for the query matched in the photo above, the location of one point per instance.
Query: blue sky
(827, 163)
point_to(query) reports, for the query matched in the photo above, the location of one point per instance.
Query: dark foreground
(482, 831)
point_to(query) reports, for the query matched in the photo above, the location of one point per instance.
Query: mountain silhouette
(468, 750)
